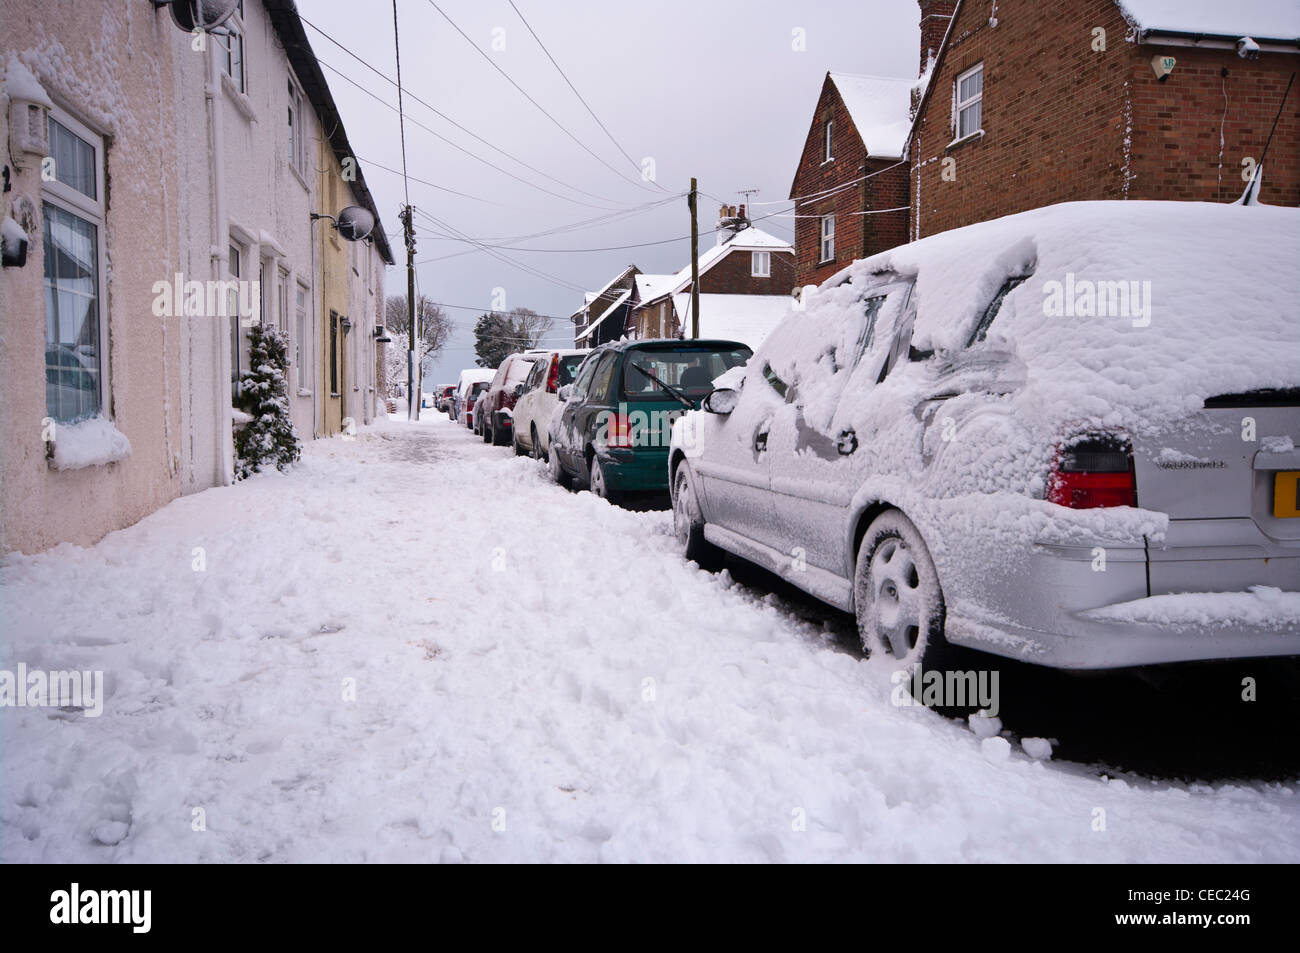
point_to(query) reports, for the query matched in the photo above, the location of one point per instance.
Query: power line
(401, 116)
(526, 95)
(437, 112)
(505, 259)
(438, 135)
(584, 102)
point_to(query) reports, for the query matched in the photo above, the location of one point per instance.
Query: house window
(230, 48)
(300, 337)
(282, 301)
(969, 98)
(334, 353)
(830, 126)
(232, 309)
(73, 226)
(827, 238)
(297, 131)
(760, 264)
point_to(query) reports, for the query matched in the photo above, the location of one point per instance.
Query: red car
(496, 418)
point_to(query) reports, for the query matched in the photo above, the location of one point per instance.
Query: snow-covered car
(538, 397)
(466, 392)
(1066, 436)
(497, 416)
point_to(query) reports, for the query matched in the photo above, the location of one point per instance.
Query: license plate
(1286, 494)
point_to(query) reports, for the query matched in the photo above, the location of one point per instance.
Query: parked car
(462, 399)
(611, 432)
(442, 396)
(996, 437)
(496, 421)
(538, 397)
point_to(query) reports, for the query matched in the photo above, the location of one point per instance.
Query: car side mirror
(721, 401)
(519, 389)
(566, 392)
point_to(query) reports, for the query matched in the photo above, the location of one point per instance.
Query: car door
(732, 466)
(816, 455)
(567, 437)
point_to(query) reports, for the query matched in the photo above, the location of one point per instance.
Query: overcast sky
(710, 88)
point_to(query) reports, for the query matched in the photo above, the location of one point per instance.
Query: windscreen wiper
(672, 391)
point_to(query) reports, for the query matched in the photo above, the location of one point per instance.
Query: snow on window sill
(239, 419)
(241, 100)
(298, 174)
(303, 392)
(87, 443)
(970, 137)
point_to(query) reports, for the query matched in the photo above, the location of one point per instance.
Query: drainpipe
(219, 254)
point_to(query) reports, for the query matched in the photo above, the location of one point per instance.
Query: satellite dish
(205, 15)
(355, 223)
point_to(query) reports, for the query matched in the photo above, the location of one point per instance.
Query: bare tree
(435, 329)
(529, 327)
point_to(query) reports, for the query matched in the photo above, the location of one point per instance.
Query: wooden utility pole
(413, 335)
(695, 261)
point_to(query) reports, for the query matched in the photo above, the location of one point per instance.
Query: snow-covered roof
(747, 239)
(607, 312)
(648, 286)
(748, 319)
(590, 296)
(1259, 19)
(880, 108)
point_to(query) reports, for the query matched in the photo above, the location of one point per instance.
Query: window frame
(754, 270)
(95, 212)
(233, 29)
(828, 141)
(959, 105)
(334, 352)
(234, 272)
(298, 143)
(823, 238)
(302, 298)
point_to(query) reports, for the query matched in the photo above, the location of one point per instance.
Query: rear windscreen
(569, 367)
(689, 371)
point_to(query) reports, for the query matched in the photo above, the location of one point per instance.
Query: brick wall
(856, 236)
(731, 276)
(1063, 121)
(935, 16)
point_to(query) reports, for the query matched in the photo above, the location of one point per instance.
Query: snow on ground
(538, 676)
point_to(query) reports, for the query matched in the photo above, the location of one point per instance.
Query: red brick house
(850, 188)
(1033, 103)
(745, 285)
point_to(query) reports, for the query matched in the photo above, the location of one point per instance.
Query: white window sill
(303, 392)
(977, 134)
(302, 179)
(87, 443)
(241, 100)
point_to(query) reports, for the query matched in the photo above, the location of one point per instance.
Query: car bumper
(1063, 606)
(640, 470)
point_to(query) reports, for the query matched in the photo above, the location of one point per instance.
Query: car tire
(597, 484)
(897, 597)
(556, 469)
(518, 447)
(536, 451)
(688, 523)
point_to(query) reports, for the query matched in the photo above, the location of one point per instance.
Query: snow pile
(12, 237)
(1260, 19)
(21, 83)
(1264, 606)
(88, 443)
(525, 675)
(748, 319)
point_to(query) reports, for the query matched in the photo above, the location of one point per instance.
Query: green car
(611, 432)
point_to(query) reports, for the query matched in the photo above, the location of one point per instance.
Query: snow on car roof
(880, 107)
(1272, 19)
(1211, 302)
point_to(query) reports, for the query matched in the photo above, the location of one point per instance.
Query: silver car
(1066, 436)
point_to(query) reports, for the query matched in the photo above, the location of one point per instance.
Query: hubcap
(597, 478)
(681, 510)
(897, 602)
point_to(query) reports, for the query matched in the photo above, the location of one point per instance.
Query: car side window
(583, 381)
(604, 378)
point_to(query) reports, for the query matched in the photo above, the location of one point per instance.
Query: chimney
(935, 17)
(731, 221)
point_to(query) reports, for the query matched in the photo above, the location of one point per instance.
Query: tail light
(619, 435)
(1092, 472)
(553, 376)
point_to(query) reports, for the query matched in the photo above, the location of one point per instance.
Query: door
(818, 458)
(578, 412)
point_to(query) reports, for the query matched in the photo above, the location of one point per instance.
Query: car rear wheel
(536, 451)
(688, 524)
(556, 469)
(897, 597)
(597, 484)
